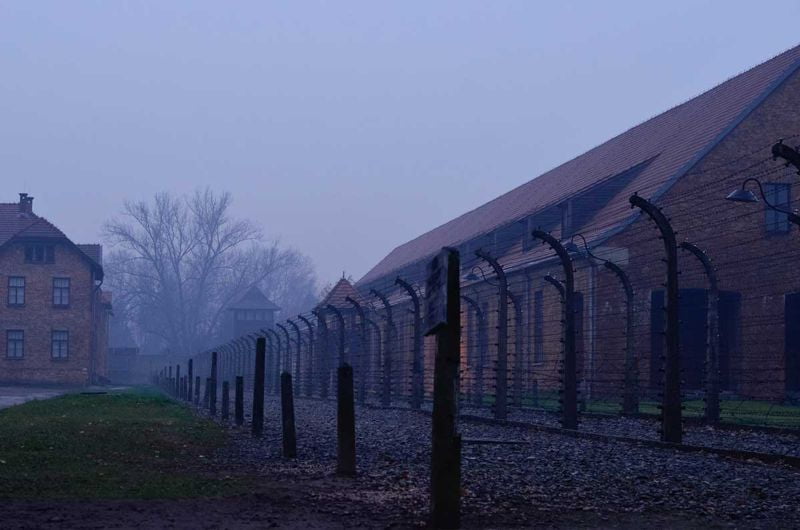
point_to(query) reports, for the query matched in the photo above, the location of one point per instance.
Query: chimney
(25, 203)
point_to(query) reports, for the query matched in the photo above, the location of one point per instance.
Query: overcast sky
(343, 128)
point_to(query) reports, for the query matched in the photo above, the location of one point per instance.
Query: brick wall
(38, 318)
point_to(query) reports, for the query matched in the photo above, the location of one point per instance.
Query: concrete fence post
(239, 401)
(258, 387)
(225, 401)
(346, 422)
(287, 416)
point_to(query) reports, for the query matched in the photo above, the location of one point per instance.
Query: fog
(340, 127)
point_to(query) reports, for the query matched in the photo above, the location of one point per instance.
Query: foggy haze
(337, 127)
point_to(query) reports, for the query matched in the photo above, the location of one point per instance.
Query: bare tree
(179, 261)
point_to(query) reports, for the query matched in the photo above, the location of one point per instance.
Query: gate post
(671, 428)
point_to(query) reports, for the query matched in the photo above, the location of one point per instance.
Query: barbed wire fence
(572, 326)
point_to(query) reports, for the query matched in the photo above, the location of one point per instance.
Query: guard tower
(252, 312)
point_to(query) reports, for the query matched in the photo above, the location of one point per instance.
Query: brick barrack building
(686, 161)
(54, 314)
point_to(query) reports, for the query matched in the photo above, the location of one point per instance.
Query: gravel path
(545, 480)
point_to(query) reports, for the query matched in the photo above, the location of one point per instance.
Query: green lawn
(734, 411)
(137, 444)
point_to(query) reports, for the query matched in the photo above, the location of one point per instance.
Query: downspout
(93, 342)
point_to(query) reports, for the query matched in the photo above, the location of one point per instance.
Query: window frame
(777, 223)
(20, 340)
(61, 290)
(40, 253)
(64, 341)
(17, 289)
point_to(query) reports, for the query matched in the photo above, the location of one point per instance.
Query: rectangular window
(61, 292)
(16, 290)
(538, 327)
(60, 344)
(779, 195)
(15, 343)
(40, 254)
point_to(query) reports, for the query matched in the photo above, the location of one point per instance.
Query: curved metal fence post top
(335, 310)
(358, 307)
(555, 282)
(561, 252)
(276, 337)
(655, 213)
(409, 289)
(705, 261)
(307, 322)
(385, 301)
(473, 304)
(498, 269)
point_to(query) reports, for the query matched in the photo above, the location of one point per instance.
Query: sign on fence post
(443, 317)
(436, 293)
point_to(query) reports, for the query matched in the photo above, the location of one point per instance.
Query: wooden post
(239, 400)
(445, 440)
(212, 395)
(345, 422)
(258, 387)
(287, 416)
(197, 390)
(176, 391)
(207, 390)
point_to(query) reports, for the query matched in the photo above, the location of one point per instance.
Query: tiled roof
(92, 250)
(675, 140)
(16, 224)
(254, 299)
(337, 297)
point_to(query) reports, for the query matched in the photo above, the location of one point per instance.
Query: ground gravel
(533, 478)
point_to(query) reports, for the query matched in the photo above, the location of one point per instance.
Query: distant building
(54, 315)
(252, 312)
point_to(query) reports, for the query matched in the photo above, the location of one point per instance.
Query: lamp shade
(741, 195)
